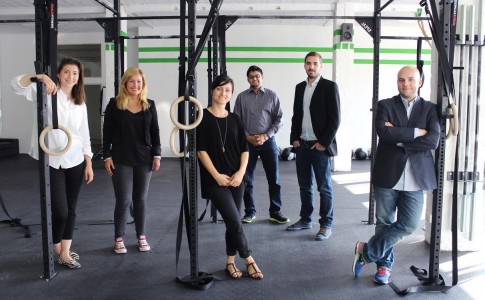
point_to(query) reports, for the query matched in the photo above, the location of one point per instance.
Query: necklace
(223, 142)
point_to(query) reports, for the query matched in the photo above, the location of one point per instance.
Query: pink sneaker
(142, 244)
(120, 246)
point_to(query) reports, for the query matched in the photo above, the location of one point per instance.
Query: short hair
(313, 53)
(254, 69)
(78, 89)
(220, 80)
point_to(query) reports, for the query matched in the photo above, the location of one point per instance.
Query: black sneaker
(299, 226)
(277, 217)
(249, 217)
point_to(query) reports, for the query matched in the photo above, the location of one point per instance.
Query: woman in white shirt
(68, 170)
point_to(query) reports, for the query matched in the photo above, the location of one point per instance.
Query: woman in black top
(223, 153)
(131, 148)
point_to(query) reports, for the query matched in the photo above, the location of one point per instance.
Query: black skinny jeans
(65, 187)
(227, 201)
(130, 185)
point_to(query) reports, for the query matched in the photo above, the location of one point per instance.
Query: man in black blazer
(316, 118)
(409, 130)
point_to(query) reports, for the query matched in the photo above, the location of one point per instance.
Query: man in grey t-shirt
(260, 111)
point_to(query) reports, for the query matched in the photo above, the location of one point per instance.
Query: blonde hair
(123, 97)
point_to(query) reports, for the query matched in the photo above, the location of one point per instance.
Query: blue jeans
(310, 164)
(392, 227)
(269, 157)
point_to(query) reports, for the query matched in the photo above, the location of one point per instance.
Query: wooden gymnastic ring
(42, 142)
(172, 143)
(175, 119)
(454, 123)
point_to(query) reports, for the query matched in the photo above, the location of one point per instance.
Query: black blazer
(390, 158)
(324, 113)
(115, 123)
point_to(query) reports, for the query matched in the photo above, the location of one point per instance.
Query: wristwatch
(34, 79)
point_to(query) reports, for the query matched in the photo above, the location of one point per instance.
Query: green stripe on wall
(236, 60)
(343, 45)
(287, 60)
(389, 62)
(279, 49)
(111, 47)
(159, 60)
(159, 49)
(392, 50)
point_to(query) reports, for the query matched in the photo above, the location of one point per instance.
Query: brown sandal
(235, 274)
(254, 275)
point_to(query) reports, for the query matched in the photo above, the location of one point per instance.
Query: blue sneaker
(359, 262)
(323, 234)
(382, 276)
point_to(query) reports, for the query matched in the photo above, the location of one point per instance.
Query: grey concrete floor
(295, 266)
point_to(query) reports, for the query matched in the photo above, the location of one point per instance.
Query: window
(88, 54)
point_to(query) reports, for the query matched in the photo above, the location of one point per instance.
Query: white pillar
(343, 65)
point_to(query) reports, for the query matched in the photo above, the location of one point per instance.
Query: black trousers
(65, 187)
(130, 185)
(227, 201)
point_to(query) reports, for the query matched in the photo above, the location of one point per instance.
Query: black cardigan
(115, 124)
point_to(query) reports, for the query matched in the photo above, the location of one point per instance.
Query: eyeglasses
(254, 76)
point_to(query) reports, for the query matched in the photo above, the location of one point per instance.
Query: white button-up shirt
(407, 182)
(73, 117)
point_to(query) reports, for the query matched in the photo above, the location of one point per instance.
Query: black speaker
(347, 32)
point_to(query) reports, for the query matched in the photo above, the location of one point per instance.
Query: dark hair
(313, 53)
(78, 88)
(254, 69)
(222, 80)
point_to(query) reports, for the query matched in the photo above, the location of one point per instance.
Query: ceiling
(21, 12)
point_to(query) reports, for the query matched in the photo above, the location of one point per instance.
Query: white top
(307, 132)
(408, 182)
(73, 117)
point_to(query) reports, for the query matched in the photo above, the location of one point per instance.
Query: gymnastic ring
(172, 143)
(174, 118)
(454, 123)
(42, 142)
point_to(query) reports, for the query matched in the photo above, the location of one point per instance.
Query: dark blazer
(390, 158)
(324, 113)
(115, 123)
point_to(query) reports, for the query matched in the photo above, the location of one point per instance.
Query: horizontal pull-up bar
(296, 17)
(405, 38)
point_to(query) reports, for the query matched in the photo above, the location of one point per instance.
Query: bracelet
(108, 158)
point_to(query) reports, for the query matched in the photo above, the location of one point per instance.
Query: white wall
(282, 77)
(17, 56)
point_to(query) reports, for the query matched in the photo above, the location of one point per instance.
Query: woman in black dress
(223, 153)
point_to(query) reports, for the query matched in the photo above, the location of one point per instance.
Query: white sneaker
(120, 246)
(142, 244)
